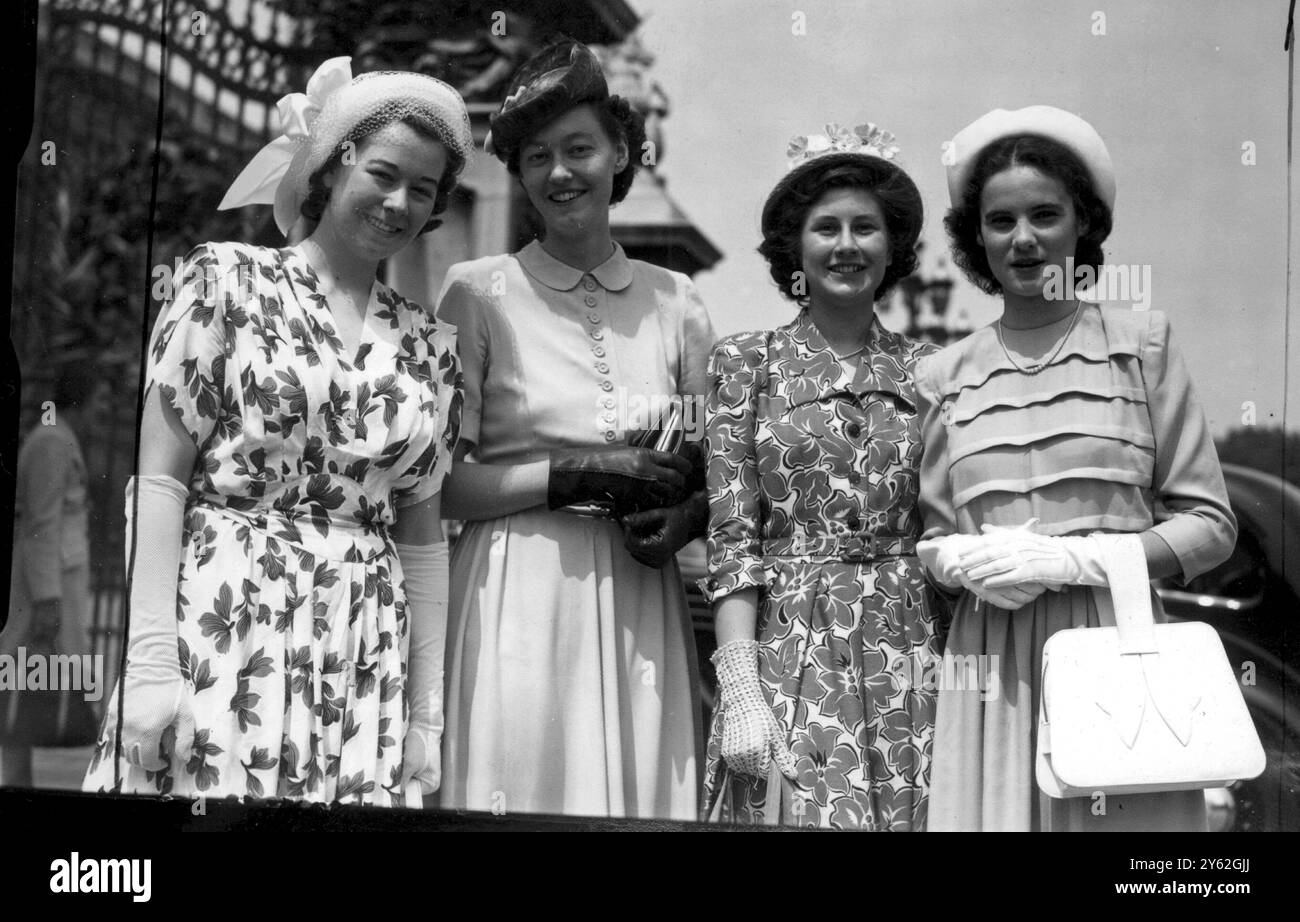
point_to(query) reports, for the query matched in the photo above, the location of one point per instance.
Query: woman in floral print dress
(299, 419)
(823, 613)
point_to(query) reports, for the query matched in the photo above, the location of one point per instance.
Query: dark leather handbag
(669, 436)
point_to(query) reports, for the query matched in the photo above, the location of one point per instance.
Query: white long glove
(1017, 556)
(943, 558)
(156, 695)
(751, 734)
(424, 570)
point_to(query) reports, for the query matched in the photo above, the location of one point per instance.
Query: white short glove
(751, 735)
(1013, 557)
(156, 697)
(425, 573)
(943, 558)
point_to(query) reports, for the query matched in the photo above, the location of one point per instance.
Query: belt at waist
(344, 540)
(853, 548)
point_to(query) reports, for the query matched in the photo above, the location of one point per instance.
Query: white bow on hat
(261, 179)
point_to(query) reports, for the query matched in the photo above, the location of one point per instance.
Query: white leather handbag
(1140, 707)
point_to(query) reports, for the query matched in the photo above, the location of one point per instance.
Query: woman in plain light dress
(571, 669)
(1065, 417)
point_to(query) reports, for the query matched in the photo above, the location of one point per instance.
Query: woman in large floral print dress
(288, 587)
(822, 611)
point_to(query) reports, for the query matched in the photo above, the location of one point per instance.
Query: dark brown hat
(550, 83)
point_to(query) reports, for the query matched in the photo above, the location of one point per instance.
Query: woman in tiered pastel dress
(1063, 418)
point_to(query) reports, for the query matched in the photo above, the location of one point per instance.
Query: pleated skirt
(571, 674)
(984, 744)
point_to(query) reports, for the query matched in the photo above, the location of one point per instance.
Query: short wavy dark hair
(794, 196)
(318, 194)
(620, 122)
(1051, 158)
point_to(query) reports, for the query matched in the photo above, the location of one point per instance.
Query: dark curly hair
(1049, 157)
(618, 120)
(318, 194)
(794, 196)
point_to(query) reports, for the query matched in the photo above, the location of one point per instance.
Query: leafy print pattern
(291, 610)
(803, 451)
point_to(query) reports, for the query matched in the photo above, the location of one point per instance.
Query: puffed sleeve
(736, 377)
(1192, 512)
(465, 307)
(187, 357)
(44, 476)
(696, 343)
(424, 478)
(937, 515)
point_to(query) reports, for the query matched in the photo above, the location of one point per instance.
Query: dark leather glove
(693, 452)
(654, 537)
(690, 449)
(631, 478)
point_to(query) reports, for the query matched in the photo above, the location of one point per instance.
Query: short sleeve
(736, 375)
(187, 357)
(463, 306)
(697, 342)
(424, 478)
(1192, 513)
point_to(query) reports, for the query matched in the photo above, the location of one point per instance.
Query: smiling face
(1027, 223)
(380, 203)
(844, 248)
(568, 168)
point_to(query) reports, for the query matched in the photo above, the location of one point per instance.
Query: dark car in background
(1252, 600)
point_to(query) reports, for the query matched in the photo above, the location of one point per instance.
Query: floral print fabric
(806, 461)
(290, 605)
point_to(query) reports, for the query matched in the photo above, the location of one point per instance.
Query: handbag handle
(778, 799)
(1128, 603)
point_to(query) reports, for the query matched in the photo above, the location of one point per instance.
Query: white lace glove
(1011, 557)
(751, 734)
(424, 570)
(156, 697)
(943, 558)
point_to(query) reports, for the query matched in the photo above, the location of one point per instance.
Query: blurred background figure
(49, 594)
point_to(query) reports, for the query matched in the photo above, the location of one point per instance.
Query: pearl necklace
(1036, 367)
